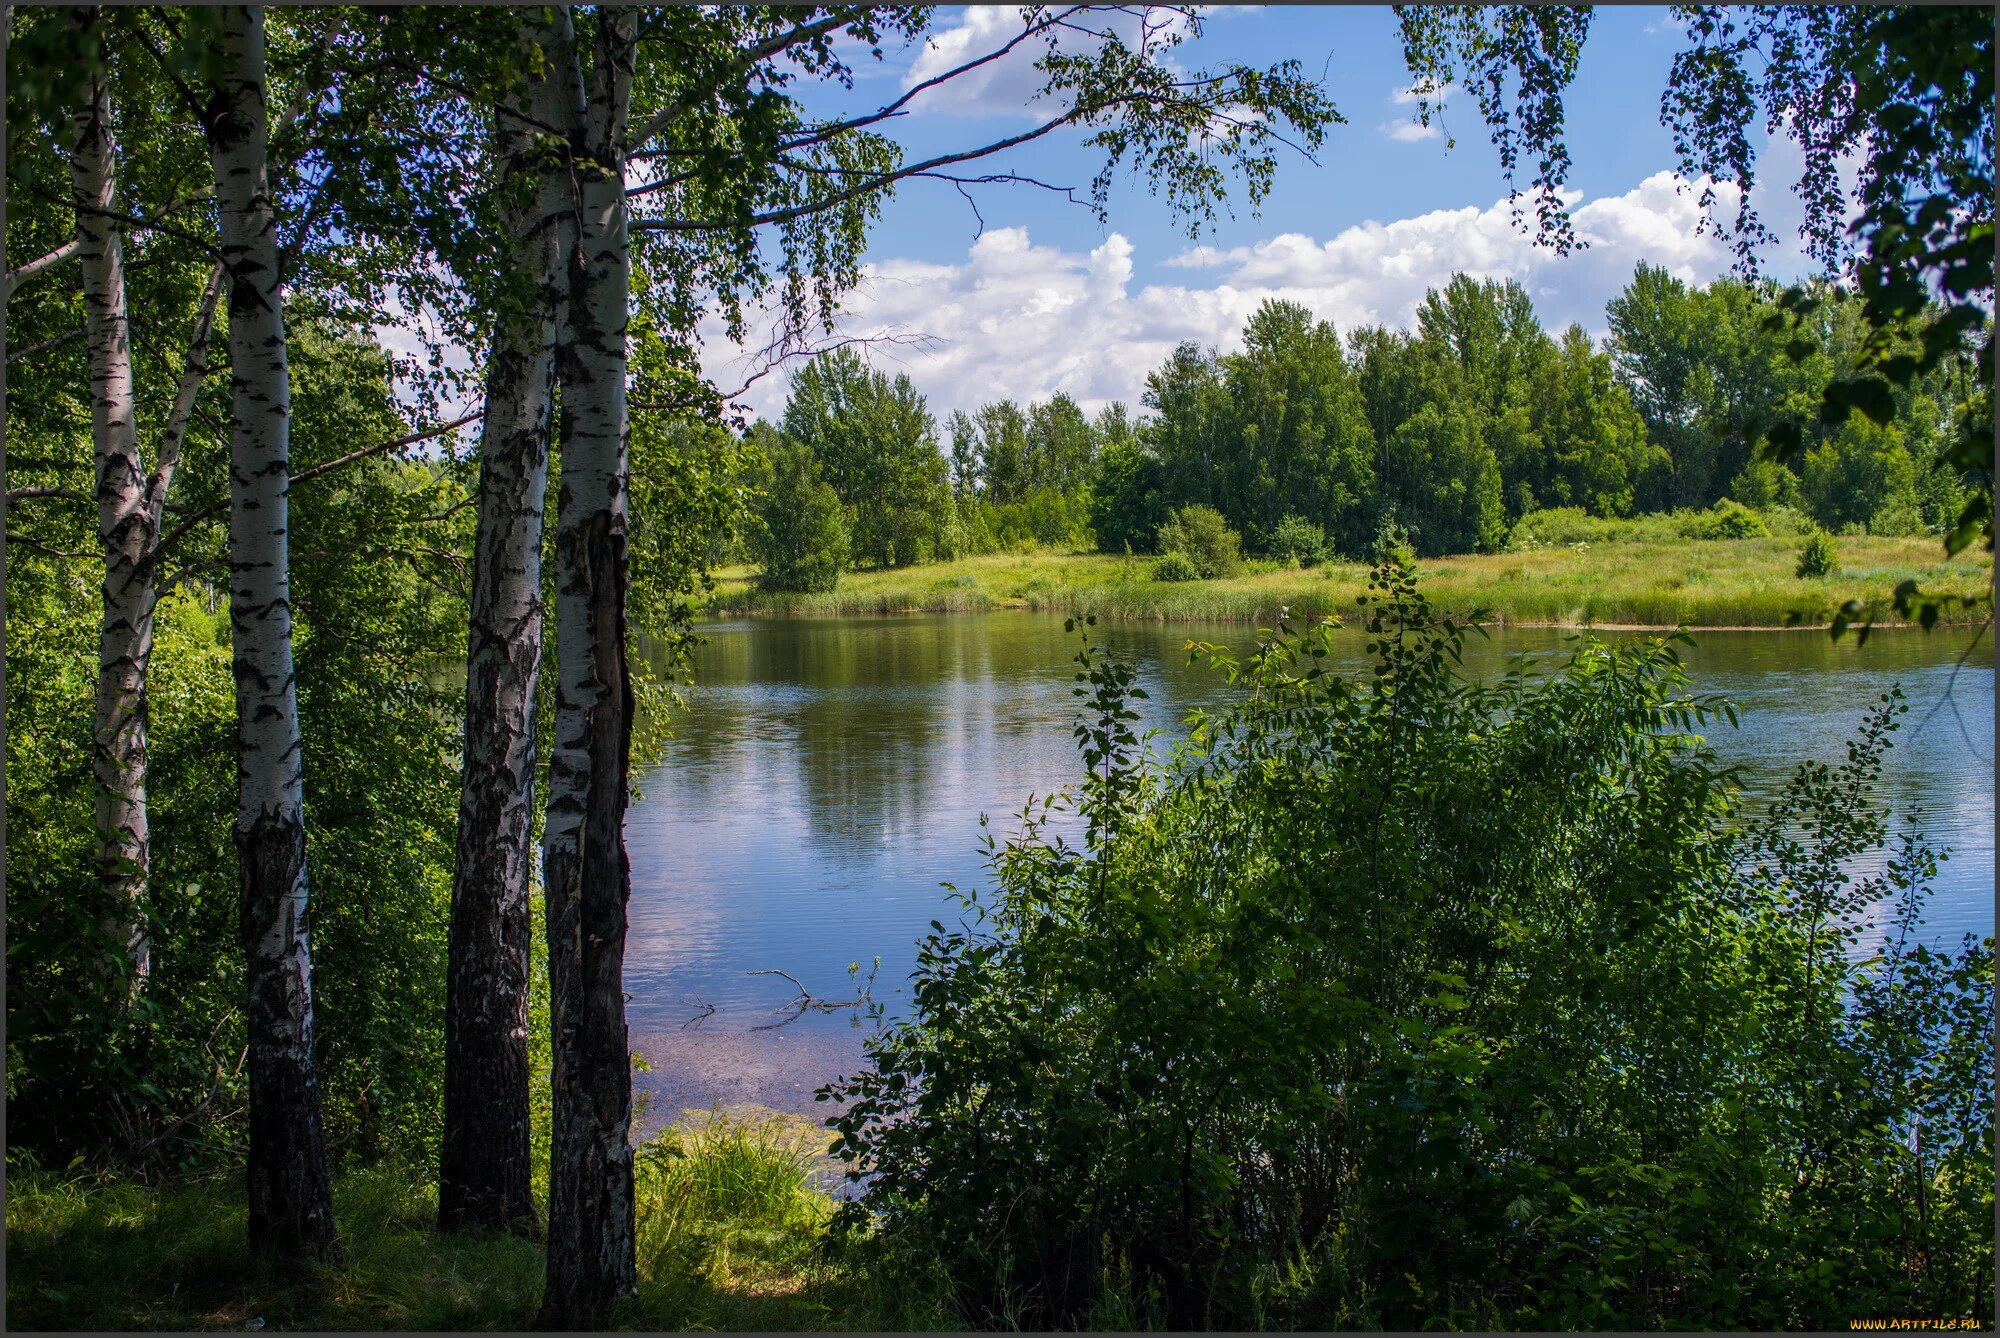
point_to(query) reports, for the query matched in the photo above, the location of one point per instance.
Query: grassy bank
(732, 1234)
(1700, 583)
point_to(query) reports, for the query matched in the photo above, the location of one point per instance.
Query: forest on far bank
(1306, 443)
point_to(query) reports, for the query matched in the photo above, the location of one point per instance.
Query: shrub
(1298, 542)
(1200, 533)
(1733, 520)
(1556, 526)
(1398, 1001)
(1176, 566)
(1817, 556)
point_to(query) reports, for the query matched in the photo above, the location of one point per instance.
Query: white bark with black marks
(483, 1171)
(587, 878)
(125, 535)
(291, 1209)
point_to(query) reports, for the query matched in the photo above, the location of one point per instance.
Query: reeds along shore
(1641, 583)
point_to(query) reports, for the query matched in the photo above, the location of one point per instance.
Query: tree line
(1307, 442)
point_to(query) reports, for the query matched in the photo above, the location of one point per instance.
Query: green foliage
(1299, 543)
(1817, 556)
(1915, 85)
(378, 605)
(1174, 565)
(802, 536)
(1862, 475)
(876, 447)
(1300, 434)
(1403, 1002)
(1733, 520)
(1449, 493)
(1764, 484)
(1911, 83)
(1203, 537)
(1127, 508)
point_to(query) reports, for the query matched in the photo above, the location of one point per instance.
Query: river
(829, 774)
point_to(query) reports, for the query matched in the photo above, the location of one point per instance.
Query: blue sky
(1363, 172)
(1048, 299)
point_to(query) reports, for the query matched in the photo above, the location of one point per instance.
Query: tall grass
(1646, 575)
(733, 1233)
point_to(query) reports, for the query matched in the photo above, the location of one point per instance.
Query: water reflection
(829, 774)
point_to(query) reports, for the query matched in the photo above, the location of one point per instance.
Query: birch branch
(16, 354)
(207, 513)
(67, 494)
(40, 265)
(771, 46)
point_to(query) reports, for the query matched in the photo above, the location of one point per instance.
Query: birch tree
(125, 630)
(586, 876)
(291, 1209)
(129, 501)
(483, 1169)
(725, 155)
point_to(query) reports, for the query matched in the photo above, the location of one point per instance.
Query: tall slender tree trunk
(586, 876)
(483, 1169)
(125, 627)
(291, 1209)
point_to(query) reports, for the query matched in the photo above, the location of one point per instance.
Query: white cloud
(1022, 320)
(1408, 132)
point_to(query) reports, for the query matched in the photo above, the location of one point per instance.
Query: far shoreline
(1734, 585)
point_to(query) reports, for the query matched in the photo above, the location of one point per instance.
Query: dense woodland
(322, 705)
(1307, 443)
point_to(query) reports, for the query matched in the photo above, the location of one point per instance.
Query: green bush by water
(1408, 1002)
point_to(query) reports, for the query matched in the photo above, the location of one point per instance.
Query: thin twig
(181, 530)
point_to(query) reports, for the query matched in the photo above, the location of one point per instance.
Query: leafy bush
(1817, 555)
(1298, 542)
(1733, 520)
(1176, 566)
(1407, 1002)
(1200, 534)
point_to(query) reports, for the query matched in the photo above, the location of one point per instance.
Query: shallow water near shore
(829, 774)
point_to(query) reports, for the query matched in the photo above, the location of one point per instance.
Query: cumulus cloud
(1023, 320)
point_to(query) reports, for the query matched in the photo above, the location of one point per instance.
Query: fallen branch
(708, 1011)
(806, 1001)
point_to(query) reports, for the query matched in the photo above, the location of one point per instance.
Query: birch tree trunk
(585, 873)
(483, 1167)
(291, 1209)
(125, 627)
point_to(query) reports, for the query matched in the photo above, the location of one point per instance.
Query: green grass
(732, 1235)
(1663, 582)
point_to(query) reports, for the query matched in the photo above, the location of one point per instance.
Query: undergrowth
(733, 1234)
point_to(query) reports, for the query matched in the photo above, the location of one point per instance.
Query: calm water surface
(830, 774)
